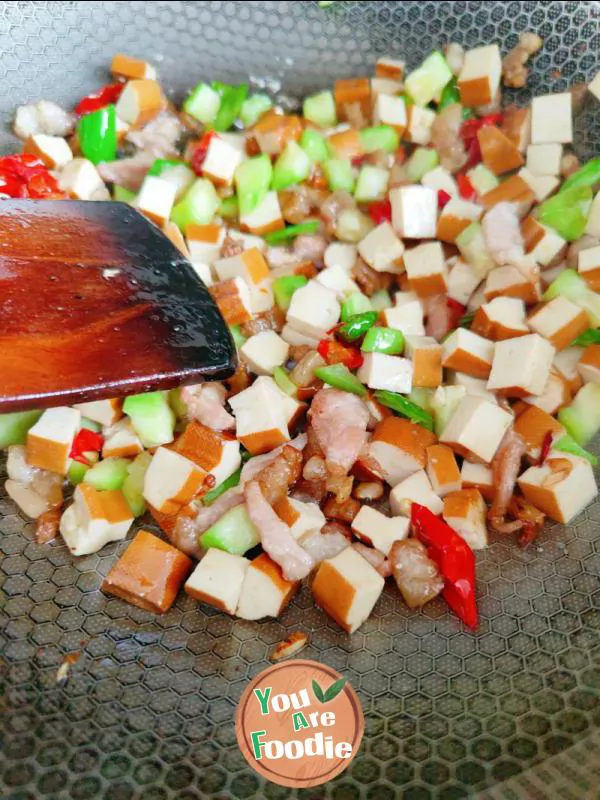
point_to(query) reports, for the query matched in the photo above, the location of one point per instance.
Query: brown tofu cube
(149, 574)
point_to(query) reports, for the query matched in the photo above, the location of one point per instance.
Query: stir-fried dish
(411, 273)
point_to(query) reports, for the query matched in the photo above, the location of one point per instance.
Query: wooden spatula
(95, 302)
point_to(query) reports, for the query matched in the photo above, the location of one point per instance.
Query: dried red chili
(544, 449)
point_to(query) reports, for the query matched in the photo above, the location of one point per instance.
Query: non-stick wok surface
(509, 712)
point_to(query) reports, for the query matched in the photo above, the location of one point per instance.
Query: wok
(509, 712)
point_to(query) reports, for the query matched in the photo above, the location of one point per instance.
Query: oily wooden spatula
(95, 302)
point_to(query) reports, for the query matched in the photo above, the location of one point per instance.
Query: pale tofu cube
(501, 318)
(588, 260)
(214, 452)
(476, 428)
(566, 363)
(204, 242)
(465, 511)
(94, 519)
(303, 519)
(560, 321)
(521, 366)
(548, 247)
(248, 240)
(222, 160)
(475, 387)
(181, 177)
(266, 217)
(264, 351)
(171, 481)
(408, 318)
(295, 338)
(415, 489)
(218, 580)
(347, 588)
(80, 179)
(414, 211)
(231, 296)
(465, 351)
(249, 265)
(341, 254)
(378, 531)
(121, 441)
(385, 86)
(544, 159)
(398, 447)
(420, 121)
(314, 309)
(426, 356)
(456, 216)
(265, 592)
(252, 267)
(552, 119)
(589, 365)
(390, 110)
(392, 68)
(140, 101)
(156, 198)
(541, 185)
(556, 393)
(462, 281)
(382, 249)
(478, 476)
(54, 151)
(123, 66)
(49, 441)
(442, 469)
(511, 282)
(392, 373)
(105, 412)
(260, 418)
(561, 488)
(479, 78)
(338, 279)
(426, 269)
(440, 180)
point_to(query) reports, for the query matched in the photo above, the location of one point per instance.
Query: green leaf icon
(334, 689)
(318, 692)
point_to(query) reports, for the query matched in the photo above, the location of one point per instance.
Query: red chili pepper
(45, 186)
(470, 127)
(465, 188)
(200, 151)
(25, 175)
(103, 97)
(443, 198)
(473, 155)
(544, 449)
(358, 161)
(457, 311)
(380, 211)
(400, 155)
(335, 352)
(454, 559)
(84, 442)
